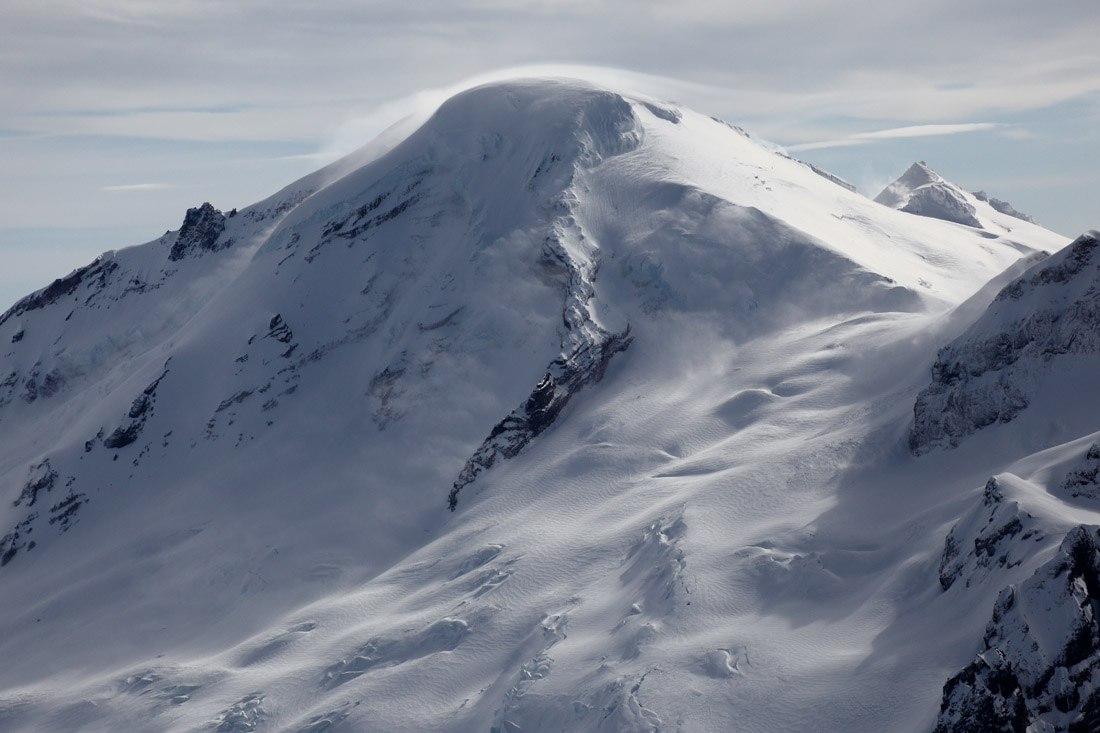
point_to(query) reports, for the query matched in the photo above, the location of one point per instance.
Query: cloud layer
(864, 138)
(271, 69)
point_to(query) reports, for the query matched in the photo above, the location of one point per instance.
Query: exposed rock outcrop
(42, 479)
(201, 229)
(586, 350)
(140, 410)
(1002, 206)
(1084, 480)
(93, 276)
(567, 376)
(832, 177)
(1039, 666)
(989, 374)
(995, 534)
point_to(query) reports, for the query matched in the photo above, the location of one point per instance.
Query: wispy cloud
(139, 187)
(864, 138)
(218, 70)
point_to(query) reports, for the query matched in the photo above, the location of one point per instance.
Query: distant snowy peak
(897, 194)
(991, 373)
(922, 191)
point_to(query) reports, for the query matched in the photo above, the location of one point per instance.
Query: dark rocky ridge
(98, 272)
(1039, 665)
(1084, 480)
(138, 414)
(997, 534)
(586, 350)
(1002, 206)
(566, 377)
(988, 374)
(42, 479)
(201, 229)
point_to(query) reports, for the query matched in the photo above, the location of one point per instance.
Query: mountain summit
(568, 410)
(922, 191)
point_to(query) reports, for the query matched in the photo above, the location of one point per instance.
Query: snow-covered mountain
(920, 190)
(571, 411)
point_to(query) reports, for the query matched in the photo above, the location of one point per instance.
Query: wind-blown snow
(227, 453)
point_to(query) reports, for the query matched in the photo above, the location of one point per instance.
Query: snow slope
(570, 411)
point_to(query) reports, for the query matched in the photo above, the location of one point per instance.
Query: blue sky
(117, 115)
